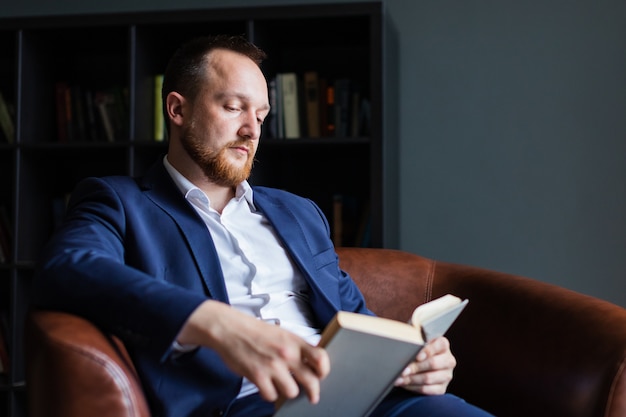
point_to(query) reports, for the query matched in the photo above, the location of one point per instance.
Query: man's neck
(218, 195)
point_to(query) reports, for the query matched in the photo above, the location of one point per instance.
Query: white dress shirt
(261, 279)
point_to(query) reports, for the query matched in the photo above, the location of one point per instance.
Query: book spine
(329, 126)
(271, 124)
(280, 118)
(291, 111)
(159, 118)
(311, 93)
(79, 116)
(101, 101)
(342, 107)
(92, 124)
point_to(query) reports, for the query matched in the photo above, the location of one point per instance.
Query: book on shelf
(312, 103)
(159, 118)
(271, 121)
(346, 218)
(112, 108)
(103, 102)
(290, 105)
(84, 114)
(343, 101)
(92, 126)
(328, 111)
(355, 105)
(323, 110)
(79, 119)
(367, 354)
(6, 120)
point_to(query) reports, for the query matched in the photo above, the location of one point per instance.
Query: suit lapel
(159, 187)
(293, 237)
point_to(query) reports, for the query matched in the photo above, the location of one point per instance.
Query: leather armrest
(524, 347)
(73, 369)
(530, 348)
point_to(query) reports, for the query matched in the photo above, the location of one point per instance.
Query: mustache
(240, 142)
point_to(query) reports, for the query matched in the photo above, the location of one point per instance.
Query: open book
(367, 354)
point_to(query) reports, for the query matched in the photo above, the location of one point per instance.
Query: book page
(436, 316)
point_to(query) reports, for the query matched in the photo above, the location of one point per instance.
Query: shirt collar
(186, 187)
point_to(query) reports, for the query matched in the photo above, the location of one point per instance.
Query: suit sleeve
(84, 270)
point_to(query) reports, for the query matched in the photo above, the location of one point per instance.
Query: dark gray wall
(513, 137)
(511, 131)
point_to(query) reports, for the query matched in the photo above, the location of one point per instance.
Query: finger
(434, 347)
(428, 383)
(317, 359)
(284, 385)
(266, 389)
(314, 367)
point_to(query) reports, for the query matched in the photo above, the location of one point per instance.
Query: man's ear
(174, 103)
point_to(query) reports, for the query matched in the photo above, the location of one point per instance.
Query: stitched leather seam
(611, 396)
(430, 280)
(116, 373)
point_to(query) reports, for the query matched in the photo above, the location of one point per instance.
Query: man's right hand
(277, 361)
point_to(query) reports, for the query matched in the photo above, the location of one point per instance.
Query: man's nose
(251, 128)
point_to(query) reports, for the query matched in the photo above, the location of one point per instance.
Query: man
(194, 269)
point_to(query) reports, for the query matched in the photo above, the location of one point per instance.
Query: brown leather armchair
(524, 348)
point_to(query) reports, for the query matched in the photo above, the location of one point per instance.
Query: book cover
(291, 111)
(386, 346)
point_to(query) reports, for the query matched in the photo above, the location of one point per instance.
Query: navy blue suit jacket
(134, 257)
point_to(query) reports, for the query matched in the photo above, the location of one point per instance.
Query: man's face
(222, 133)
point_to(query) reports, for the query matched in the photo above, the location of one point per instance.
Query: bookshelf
(123, 52)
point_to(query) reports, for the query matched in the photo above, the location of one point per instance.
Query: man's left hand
(431, 372)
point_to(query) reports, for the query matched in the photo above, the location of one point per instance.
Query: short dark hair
(186, 70)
